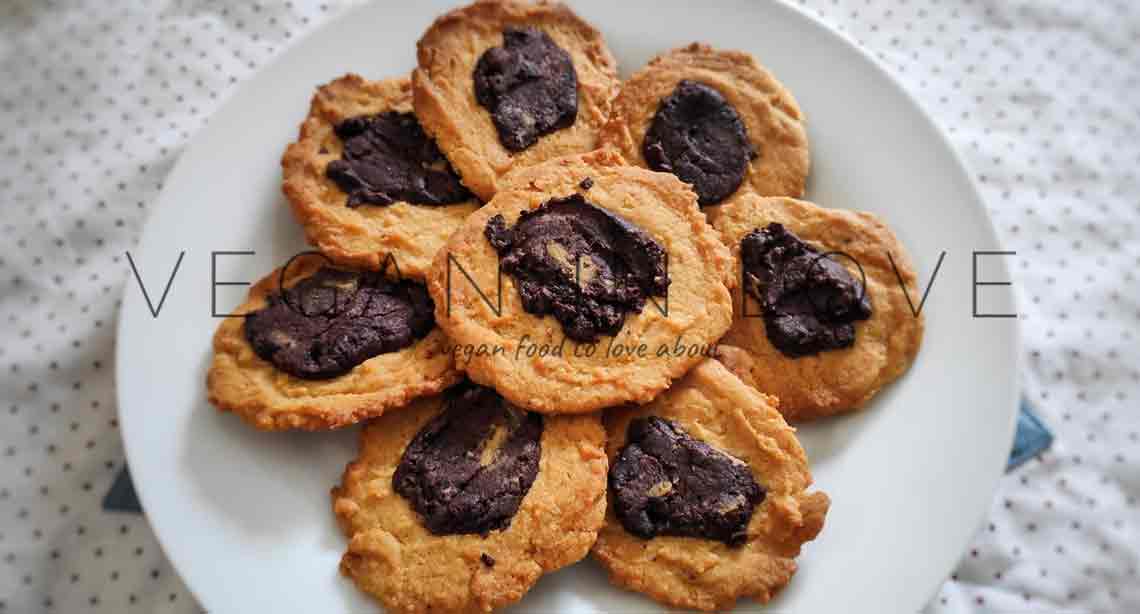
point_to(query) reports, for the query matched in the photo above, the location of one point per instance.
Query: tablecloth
(1042, 99)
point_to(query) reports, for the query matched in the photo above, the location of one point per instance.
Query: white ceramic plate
(245, 516)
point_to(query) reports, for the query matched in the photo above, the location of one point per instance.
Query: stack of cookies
(573, 315)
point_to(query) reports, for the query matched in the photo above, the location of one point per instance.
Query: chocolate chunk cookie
(534, 502)
(823, 319)
(323, 348)
(716, 119)
(581, 263)
(506, 84)
(528, 85)
(708, 494)
(664, 482)
(334, 320)
(547, 279)
(468, 469)
(368, 185)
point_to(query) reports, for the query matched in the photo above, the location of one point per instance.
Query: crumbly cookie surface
(447, 107)
(694, 315)
(838, 380)
(368, 235)
(772, 119)
(392, 556)
(714, 406)
(241, 382)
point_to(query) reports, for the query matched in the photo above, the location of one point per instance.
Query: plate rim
(130, 296)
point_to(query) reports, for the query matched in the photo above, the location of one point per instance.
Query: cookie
(715, 118)
(708, 494)
(823, 315)
(503, 85)
(583, 284)
(460, 502)
(317, 347)
(367, 184)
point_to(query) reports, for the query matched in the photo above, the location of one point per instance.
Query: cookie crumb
(487, 559)
(586, 183)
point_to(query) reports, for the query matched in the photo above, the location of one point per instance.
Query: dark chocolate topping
(664, 482)
(469, 468)
(388, 158)
(698, 136)
(333, 320)
(581, 263)
(529, 86)
(808, 300)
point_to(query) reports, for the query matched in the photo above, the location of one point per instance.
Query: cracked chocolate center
(529, 86)
(469, 468)
(664, 482)
(328, 323)
(809, 301)
(699, 137)
(581, 263)
(388, 158)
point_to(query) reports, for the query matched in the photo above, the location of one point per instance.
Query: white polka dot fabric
(98, 97)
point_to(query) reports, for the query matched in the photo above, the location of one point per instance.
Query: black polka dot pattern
(99, 99)
(1038, 96)
(1058, 173)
